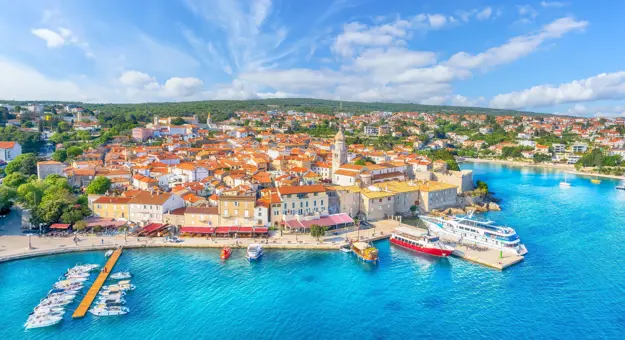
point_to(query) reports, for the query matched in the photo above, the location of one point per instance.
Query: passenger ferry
(419, 241)
(365, 251)
(483, 233)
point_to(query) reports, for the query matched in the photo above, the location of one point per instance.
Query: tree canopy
(99, 185)
(25, 163)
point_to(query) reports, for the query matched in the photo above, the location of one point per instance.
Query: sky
(561, 57)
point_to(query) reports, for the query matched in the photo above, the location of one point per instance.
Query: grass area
(414, 221)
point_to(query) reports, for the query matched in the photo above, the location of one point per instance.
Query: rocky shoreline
(471, 202)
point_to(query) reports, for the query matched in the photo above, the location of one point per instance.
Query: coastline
(563, 167)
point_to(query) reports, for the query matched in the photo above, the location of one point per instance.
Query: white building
(9, 150)
(149, 207)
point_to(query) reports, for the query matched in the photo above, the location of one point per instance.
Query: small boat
(46, 310)
(225, 253)
(121, 276)
(120, 286)
(111, 301)
(61, 295)
(365, 251)
(595, 181)
(77, 275)
(85, 267)
(108, 253)
(103, 310)
(564, 183)
(112, 291)
(43, 321)
(346, 248)
(620, 187)
(254, 251)
(419, 241)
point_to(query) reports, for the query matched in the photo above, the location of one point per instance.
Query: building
(370, 130)
(236, 209)
(437, 195)
(47, 168)
(579, 147)
(112, 207)
(141, 134)
(148, 206)
(339, 156)
(305, 200)
(9, 150)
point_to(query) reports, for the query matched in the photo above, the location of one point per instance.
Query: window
(236, 204)
(321, 202)
(236, 212)
(314, 203)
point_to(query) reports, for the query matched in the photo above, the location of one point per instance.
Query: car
(365, 224)
(174, 240)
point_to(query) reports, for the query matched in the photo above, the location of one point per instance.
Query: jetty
(97, 285)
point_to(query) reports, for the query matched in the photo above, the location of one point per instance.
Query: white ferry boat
(483, 233)
(254, 251)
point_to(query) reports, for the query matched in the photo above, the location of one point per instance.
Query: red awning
(152, 227)
(223, 230)
(245, 230)
(261, 230)
(327, 221)
(59, 226)
(197, 230)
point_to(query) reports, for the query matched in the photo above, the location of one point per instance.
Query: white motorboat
(564, 183)
(86, 267)
(39, 313)
(108, 253)
(254, 251)
(103, 310)
(620, 187)
(121, 276)
(122, 285)
(61, 295)
(110, 301)
(346, 248)
(43, 321)
(112, 292)
(72, 274)
(59, 299)
(45, 310)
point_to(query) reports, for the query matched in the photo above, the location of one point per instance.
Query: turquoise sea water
(570, 286)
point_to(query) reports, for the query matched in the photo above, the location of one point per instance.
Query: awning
(261, 230)
(245, 230)
(152, 227)
(61, 226)
(197, 230)
(223, 230)
(327, 221)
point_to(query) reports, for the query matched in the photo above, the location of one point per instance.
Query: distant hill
(221, 109)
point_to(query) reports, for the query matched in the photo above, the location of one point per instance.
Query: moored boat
(419, 241)
(121, 276)
(225, 253)
(620, 187)
(42, 321)
(108, 253)
(483, 233)
(365, 251)
(346, 248)
(254, 251)
(104, 310)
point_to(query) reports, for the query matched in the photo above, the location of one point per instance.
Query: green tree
(99, 185)
(317, 231)
(31, 194)
(14, 180)
(7, 196)
(83, 135)
(25, 163)
(178, 121)
(59, 155)
(80, 226)
(74, 151)
(482, 187)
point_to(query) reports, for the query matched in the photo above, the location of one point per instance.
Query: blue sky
(546, 56)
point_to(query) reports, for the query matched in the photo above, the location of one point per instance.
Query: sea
(571, 285)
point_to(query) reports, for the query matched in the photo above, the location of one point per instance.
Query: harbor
(92, 293)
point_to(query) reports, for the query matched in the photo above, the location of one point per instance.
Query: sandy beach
(563, 167)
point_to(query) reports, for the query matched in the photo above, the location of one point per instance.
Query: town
(259, 171)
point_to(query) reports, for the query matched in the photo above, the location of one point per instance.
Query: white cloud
(51, 38)
(556, 4)
(177, 87)
(484, 14)
(527, 11)
(136, 79)
(516, 47)
(596, 111)
(599, 87)
(437, 20)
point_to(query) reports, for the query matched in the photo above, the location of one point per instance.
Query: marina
(88, 299)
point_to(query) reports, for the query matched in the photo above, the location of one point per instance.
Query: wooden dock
(97, 285)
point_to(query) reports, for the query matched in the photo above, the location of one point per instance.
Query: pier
(487, 257)
(97, 285)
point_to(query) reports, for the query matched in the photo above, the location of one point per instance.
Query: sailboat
(565, 183)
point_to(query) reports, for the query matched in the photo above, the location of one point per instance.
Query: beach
(563, 167)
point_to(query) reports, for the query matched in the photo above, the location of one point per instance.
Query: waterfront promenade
(569, 168)
(16, 247)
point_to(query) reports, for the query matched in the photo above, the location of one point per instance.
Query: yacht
(46, 310)
(121, 285)
(103, 310)
(108, 253)
(254, 251)
(112, 292)
(42, 321)
(564, 183)
(419, 241)
(121, 275)
(86, 267)
(484, 233)
(620, 187)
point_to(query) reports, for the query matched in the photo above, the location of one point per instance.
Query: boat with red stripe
(420, 241)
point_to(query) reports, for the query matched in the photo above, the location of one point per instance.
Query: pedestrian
(102, 241)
